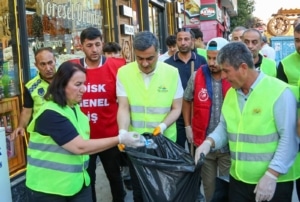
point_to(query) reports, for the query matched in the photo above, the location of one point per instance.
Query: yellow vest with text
(50, 168)
(37, 88)
(149, 106)
(268, 66)
(252, 133)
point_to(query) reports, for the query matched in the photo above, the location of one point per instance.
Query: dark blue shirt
(58, 127)
(184, 69)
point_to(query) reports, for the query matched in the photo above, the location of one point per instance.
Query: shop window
(58, 24)
(8, 51)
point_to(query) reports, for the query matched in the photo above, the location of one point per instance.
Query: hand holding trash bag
(130, 139)
(203, 148)
(189, 134)
(159, 129)
(265, 188)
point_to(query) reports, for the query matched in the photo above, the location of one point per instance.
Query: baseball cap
(215, 44)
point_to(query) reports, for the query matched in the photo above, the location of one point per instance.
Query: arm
(280, 73)
(123, 115)
(23, 122)
(285, 111)
(188, 97)
(80, 146)
(174, 113)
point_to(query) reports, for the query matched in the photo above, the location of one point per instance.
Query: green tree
(245, 10)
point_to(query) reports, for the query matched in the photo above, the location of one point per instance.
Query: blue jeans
(110, 159)
(83, 195)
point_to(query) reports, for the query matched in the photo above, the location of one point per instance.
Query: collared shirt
(184, 69)
(285, 118)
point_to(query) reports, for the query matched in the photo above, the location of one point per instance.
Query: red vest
(99, 102)
(202, 103)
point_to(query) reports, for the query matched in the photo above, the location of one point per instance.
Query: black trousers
(298, 188)
(243, 192)
(111, 163)
(181, 136)
(83, 195)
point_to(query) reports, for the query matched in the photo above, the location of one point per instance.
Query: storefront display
(58, 24)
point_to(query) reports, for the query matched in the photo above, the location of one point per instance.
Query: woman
(59, 142)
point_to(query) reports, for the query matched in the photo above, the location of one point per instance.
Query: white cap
(215, 44)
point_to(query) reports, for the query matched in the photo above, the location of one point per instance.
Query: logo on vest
(256, 111)
(203, 95)
(162, 89)
(41, 92)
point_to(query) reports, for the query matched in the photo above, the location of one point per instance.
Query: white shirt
(147, 78)
(268, 51)
(164, 56)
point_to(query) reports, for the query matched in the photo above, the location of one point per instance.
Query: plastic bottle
(149, 143)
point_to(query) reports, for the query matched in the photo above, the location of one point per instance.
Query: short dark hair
(197, 32)
(56, 89)
(254, 30)
(111, 47)
(144, 40)
(234, 54)
(171, 40)
(297, 28)
(38, 51)
(90, 33)
(188, 30)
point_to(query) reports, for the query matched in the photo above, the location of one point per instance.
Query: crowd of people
(225, 99)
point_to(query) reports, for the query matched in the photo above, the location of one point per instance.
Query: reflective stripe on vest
(149, 106)
(57, 166)
(252, 133)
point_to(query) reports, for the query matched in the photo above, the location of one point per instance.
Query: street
(103, 189)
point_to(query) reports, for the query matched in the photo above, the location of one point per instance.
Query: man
(253, 39)
(288, 71)
(149, 95)
(261, 132)
(100, 105)
(206, 90)
(186, 61)
(199, 44)
(112, 49)
(172, 48)
(36, 88)
(237, 33)
(266, 50)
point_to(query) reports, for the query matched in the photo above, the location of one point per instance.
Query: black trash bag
(167, 173)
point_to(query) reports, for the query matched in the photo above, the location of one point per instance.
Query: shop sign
(71, 11)
(127, 29)
(125, 10)
(208, 12)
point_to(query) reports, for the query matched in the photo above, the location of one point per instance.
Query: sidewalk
(103, 189)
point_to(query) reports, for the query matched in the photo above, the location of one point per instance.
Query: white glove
(189, 134)
(159, 129)
(265, 188)
(131, 139)
(203, 148)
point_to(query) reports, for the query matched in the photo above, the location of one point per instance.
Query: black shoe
(128, 184)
